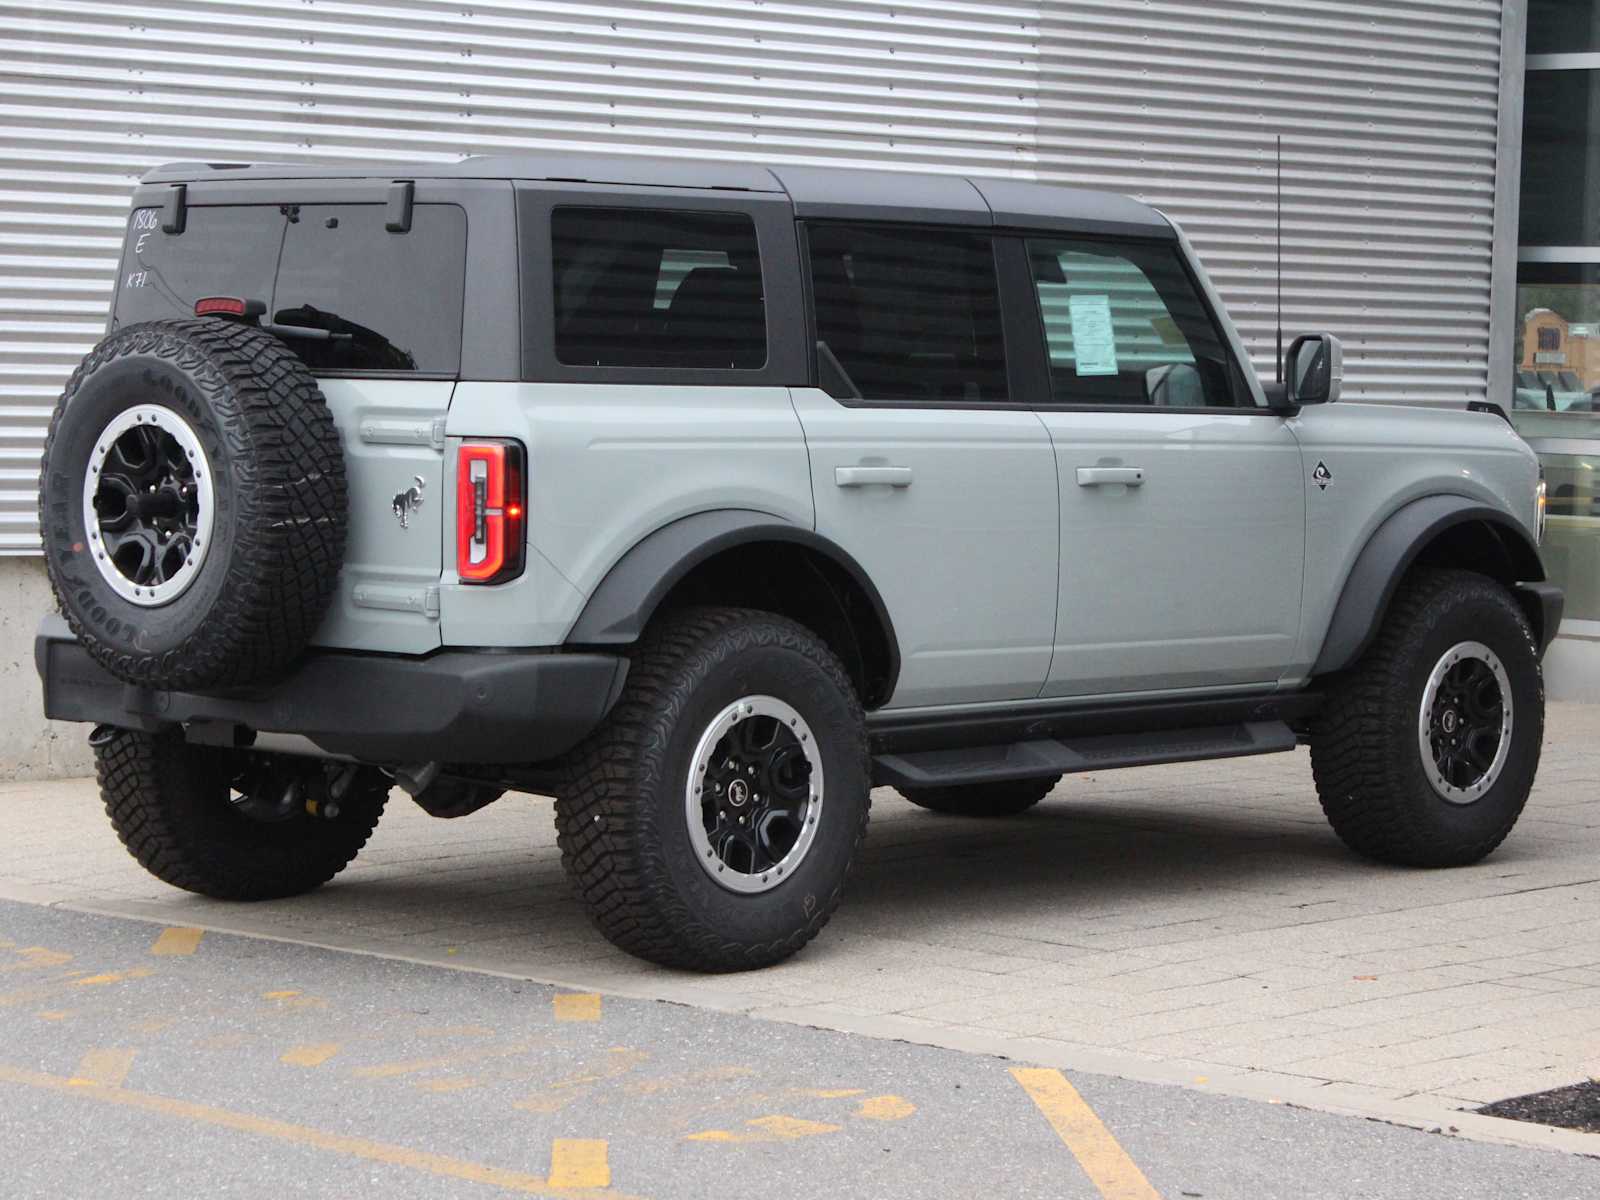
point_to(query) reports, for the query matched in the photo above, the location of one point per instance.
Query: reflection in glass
(1563, 26)
(1561, 159)
(1557, 351)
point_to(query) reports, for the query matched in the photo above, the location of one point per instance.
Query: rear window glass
(381, 301)
(651, 288)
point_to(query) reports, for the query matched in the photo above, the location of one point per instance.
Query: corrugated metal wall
(92, 94)
(1389, 116)
(1389, 173)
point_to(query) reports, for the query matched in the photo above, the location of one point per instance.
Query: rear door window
(345, 294)
(639, 287)
(909, 314)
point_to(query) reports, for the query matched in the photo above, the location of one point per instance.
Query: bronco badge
(408, 501)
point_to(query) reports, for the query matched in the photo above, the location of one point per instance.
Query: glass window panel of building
(1556, 351)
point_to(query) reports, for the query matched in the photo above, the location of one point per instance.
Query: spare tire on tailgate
(192, 504)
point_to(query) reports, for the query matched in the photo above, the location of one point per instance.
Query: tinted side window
(909, 314)
(1124, 325)
(392, 301)
(654, 288)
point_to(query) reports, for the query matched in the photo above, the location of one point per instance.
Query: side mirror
(1314, 369)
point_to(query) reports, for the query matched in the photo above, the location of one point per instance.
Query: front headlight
(1540, 502)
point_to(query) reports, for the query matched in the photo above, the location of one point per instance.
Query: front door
(1182, 500)
(924, 467)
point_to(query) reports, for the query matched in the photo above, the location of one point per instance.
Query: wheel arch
(1442, 531)
(741, 556)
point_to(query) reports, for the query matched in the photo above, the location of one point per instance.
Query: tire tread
(610, 846)
(1360, 777)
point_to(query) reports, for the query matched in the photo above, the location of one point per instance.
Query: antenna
(1279, 359)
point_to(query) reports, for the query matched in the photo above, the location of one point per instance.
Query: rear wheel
(711, 823)
(983, 799)
(1426, 750)
(233, 824)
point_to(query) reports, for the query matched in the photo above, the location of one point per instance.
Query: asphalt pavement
(142, 1060)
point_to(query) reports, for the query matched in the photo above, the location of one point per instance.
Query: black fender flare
(1390, 552)
(620, 607)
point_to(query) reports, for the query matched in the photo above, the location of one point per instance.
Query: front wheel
(711, 823)
(1426, 750)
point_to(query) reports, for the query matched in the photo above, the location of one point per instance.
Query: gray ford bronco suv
(705, 497)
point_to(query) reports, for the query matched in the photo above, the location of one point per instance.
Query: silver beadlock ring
(1466, 700)
(727, 794)
(168, 465)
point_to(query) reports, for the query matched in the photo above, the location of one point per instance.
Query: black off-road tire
(1008, 799)
(169, 803)
(620, 818)
(279, 513)
(1365, 754)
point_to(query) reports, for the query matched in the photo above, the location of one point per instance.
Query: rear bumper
(455, 706)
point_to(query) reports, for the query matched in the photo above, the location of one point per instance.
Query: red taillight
(491, 496)
(229, 306)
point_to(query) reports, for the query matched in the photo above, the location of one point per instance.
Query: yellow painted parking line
(311, 1055)
(393, 1070)
(776, 1128)
(885, 1108)
(293, 1001)
(38, 958)
(105, 1068)
(423, 1161)
(579, 1163)
(1100, 1155)
(177, 940)
(667, 1083)
(577, 1006)
(112, 977)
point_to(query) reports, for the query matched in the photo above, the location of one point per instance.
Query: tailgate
(379, 314)
(393, 434)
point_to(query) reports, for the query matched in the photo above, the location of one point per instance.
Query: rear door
(1182, 501)
(925, 467)
(377, 316)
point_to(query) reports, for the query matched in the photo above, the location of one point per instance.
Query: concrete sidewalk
(1198, 924)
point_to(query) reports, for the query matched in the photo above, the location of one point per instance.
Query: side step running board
(1101, 752)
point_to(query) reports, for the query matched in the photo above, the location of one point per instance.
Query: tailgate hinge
(424, 603)
(404, 433)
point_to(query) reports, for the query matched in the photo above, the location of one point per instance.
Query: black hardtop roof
(843, 192)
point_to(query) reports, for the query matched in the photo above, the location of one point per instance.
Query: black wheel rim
(1465, 722)
(147, 495)
(754, 794)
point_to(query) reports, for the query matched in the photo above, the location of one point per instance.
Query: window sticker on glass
(1093, 340)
